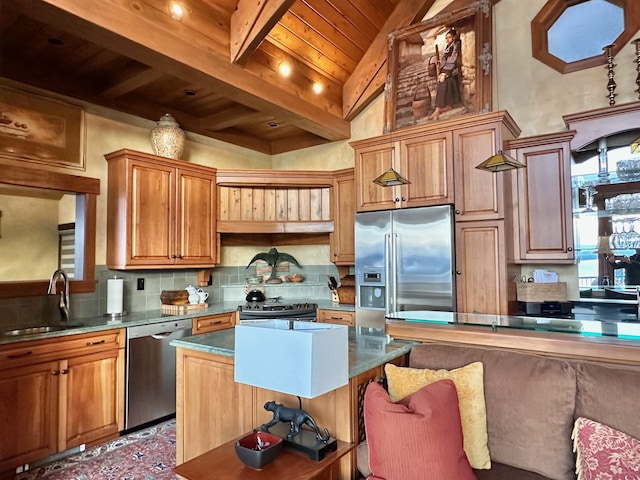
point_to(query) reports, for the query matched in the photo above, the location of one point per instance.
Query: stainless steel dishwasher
(150, 391)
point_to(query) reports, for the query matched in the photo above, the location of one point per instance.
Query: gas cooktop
(270, 307)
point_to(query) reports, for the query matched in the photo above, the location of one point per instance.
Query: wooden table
(222, 463)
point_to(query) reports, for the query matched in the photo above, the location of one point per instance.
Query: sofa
(532, 405)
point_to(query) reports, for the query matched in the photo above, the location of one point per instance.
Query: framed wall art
(439, 68)
(41, 130)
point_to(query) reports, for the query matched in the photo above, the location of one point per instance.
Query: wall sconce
(499, 163)
(391, 178)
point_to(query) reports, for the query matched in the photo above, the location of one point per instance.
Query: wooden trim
(234, 226)
(274, 178)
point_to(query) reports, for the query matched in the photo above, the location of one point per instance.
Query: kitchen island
(211, 408)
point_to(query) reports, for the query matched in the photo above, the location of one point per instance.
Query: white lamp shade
(308, 361)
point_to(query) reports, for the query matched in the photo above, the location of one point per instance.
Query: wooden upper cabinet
(544, 215)
(342, 241)
(160, 212)
(423, 158)
(480, 194)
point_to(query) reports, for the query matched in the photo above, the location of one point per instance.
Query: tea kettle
(255, 296)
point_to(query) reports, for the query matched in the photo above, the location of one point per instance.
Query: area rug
(148, 454)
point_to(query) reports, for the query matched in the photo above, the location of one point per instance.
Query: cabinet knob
(404, 199)
(458, 212)
(570, 249)
(174, 256)
(178, 256)
(396, 200)
(458, 272)
(64, 371)
(55, 372)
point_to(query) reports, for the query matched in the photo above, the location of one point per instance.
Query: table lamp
(305, 359)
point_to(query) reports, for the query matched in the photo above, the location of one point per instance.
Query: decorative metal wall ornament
(611, 84)
(637, 62)
(484, 6)
(485, 58)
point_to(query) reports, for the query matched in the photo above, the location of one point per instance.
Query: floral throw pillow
(604, 453)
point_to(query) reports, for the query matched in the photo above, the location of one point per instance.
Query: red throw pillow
(603, 452)
(417, 438)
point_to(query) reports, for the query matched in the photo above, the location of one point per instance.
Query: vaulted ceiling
(215, 70)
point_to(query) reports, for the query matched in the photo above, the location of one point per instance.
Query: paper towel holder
(115, 316)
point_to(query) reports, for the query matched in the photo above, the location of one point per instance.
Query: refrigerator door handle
(388, 261)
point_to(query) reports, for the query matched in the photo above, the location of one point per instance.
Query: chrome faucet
(64, 294)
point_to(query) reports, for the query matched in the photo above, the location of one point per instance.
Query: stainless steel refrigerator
(404, 261)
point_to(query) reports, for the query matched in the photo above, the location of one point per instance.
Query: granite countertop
(132, 319)
(368, 347)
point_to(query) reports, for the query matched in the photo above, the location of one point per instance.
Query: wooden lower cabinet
(340, 317)
(212, 409)
(59, 393)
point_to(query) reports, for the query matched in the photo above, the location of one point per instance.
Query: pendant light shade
(391, 178)
(499, 163)
(635, 146)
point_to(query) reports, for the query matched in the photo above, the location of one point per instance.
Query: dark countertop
(132, 319)
(368, 347)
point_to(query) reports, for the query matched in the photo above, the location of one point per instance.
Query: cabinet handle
(89, 344)
(458, 272)
(178, 256)
(570, 249)
(174, 256)
(55, 372)
(64, 371)
(336, 318)
(218, 322)
(19, 355)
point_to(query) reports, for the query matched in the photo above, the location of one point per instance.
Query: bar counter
(616, 342)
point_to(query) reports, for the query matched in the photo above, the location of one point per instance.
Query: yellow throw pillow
(403, 381)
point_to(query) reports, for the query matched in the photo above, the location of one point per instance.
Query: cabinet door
(481, 268)
(196, 235)
(544, 204)
(28, 413)
(211, 408)
(342, 241)
(151, 214)
(370, 163)
(339, 317)
(479, 194)
(91, 397)
(211, 323)
(427, 162)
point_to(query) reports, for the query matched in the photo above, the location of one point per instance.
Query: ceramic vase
(167, 139)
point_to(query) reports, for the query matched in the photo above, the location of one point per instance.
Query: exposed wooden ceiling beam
(132, 82)
(366, 80)
(183, 53)
(230, 118)
(250, 24)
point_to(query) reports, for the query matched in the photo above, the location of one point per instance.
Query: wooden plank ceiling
(216, 70)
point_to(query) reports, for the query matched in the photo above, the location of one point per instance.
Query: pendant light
(499, 163)
(391, 178)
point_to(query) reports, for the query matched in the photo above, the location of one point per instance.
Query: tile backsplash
(227, 285)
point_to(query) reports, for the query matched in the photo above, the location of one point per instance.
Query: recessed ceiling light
(317, 88)
(176, 11)
(55, 41)
(285, 69)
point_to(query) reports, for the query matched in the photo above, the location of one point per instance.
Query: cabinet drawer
(211, 323)
(56, 348)
(339, 317)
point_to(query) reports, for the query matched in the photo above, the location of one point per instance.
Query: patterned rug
(148, 454)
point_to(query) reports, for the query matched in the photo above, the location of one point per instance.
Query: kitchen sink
(40, 329)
